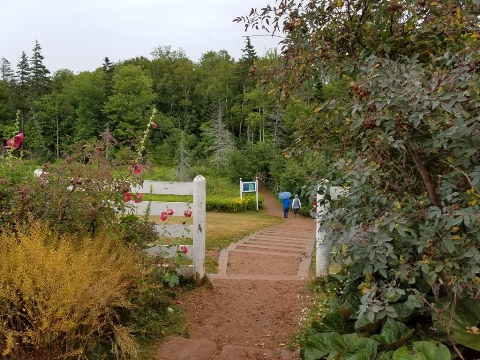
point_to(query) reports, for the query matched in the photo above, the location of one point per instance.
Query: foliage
(78, 201)
(404, 132)
(61, 295)
(255, 160)
(236, 204)
(80, 194)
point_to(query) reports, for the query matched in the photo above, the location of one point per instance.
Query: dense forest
(209, 113)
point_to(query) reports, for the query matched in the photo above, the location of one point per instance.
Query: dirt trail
(253, 310)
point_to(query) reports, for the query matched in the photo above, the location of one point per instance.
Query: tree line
(205, 109)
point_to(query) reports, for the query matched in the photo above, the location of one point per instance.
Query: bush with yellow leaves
(60, 298)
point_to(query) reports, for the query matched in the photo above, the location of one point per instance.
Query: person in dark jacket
(286, 206)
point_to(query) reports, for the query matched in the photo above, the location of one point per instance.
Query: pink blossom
(19, 138)
(187, 213)
(170, 212)
(154, 125)
(163, 216)
(15, 141)
(178, 302)
(184, 249)
(137, 168)
(128, 197)
(138, 198)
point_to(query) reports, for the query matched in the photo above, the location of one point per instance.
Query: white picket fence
(196, 252)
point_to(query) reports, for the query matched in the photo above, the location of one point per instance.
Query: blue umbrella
(284, 195)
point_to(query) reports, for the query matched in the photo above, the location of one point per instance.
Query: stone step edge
(256, 277)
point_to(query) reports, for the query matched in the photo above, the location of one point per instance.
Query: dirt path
(253, 310)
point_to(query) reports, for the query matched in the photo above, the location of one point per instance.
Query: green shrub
(223, 204)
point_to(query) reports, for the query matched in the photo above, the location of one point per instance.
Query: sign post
(249, 186)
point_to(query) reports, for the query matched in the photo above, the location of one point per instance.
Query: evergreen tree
(6, 71)
(218, 139)
(39, 77)
(249, 54)
(108, 68)
(23, 73)
(22, 81)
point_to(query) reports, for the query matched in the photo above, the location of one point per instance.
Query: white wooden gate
(197, 207)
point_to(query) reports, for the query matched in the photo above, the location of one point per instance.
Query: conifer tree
(39, 74)
(249, 53)
(23, 73)
(22, 81)
(108, 68)
(6, 71)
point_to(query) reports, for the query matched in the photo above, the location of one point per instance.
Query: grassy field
(222, 229)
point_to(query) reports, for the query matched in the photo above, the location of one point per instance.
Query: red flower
(19, 138)
(178, 302)
(184, 249)
(154, 125)
(163, 216)
(170, 212)
(137, 168)
(138, 198)
(15, 141)
(187, 213)
(128, 197)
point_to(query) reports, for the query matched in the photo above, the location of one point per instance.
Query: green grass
(222, 229)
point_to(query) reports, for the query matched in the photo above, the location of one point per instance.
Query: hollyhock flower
(187, 213)
(128, 197)
(154, 125)
(183, 249)
(178, 302)
(137, 168)
(15, 141)
(138, 198)
(11, 143)
(170, 212)
(19, 138)
(163, 216)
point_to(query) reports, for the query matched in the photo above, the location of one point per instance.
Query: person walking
(296, 205)
(286, 206)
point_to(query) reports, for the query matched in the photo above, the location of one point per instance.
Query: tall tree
(6, 71)
(85, 92)
(39, 74)
(108, 69)
(7, 98)
(249, 53)
(22, 80)
(132, 98)
(218, 139)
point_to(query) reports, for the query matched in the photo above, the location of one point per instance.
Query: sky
(78, 34)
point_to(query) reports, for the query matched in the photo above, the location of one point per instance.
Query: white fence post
(323, 247)
(199, 223)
